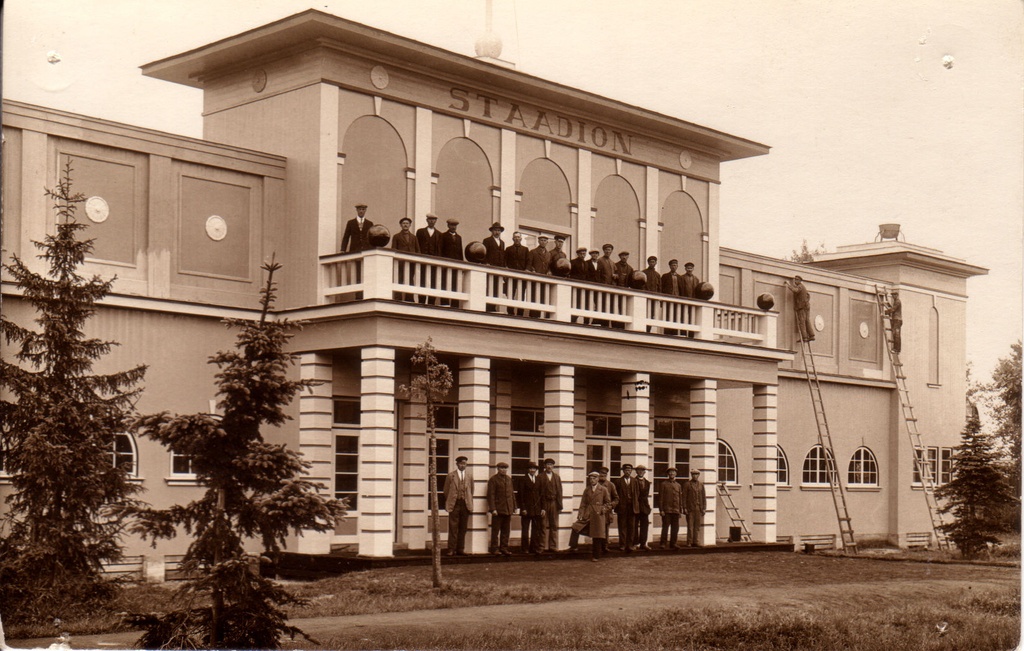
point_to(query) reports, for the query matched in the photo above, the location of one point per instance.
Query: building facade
(308, 116)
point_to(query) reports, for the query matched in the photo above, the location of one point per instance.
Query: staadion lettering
(539, 121)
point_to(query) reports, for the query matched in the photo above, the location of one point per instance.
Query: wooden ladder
(825, 439)
(734, 512)
(924, 470)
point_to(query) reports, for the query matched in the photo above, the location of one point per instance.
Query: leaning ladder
(734, 512)
(825, 439)
(920, 461)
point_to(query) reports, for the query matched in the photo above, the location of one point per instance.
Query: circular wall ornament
(819, 323)
(216, 227)
(259, 80)
(379, 77)
(97, 209)
(685, 159)
(864, 330)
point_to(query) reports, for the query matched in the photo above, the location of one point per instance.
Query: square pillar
(415, 485)
(559, 431)
(704, 449)
(316, 439)
(766, 404)
(636, 419)
(377, 460)
(473, 441)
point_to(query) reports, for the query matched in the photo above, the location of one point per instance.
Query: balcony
(383, 274)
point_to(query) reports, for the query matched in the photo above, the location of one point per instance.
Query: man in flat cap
(405, 241)
(643, 517)
(531, 509)
(695, 502)
(578, 265)
(451, 241)
(671, 282)
(653, 282)
(605, 266)
(670, 505)
(623, 271)
(429, 240)
(894, 308)
(540, 257)
(458, 499)
(517, 258)
(690, 283)
(556, 254)
(354, 240)
(495, 247)
(501, 503)
(627, 508)
(802, 307)
(551, 503)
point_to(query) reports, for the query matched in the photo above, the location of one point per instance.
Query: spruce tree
(978, 493)
(254, 490)
(59, 422)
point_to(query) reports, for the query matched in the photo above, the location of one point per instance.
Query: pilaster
(636, 418)
(424, 174)
(704, 448)
(559, 431)
(766, 406)
(377, 458)
(473, 441)
(316, 439)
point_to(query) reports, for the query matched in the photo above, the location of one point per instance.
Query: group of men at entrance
(537, 497)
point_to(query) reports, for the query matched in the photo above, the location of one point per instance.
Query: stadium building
(308, 116)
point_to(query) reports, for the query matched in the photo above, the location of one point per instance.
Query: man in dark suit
(429, 240)
(428, 237)
(627, 508)
(593, 266)
(354, 240)
(623, 270)
(495, 247)
(531, 509)
(643, 517)
(517, 257)
(670, 505)
(605, 266)
(451, 242)
(540, 258)
(501, 503)
(578, 266)
(690, 282)
(556, 254)
(458, 500)
(672, 284)
(405, 241)
(551, 503)
(653, 282)
(695, 503)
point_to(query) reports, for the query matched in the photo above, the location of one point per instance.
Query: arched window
(782, 467)
(618, 218)
(728, 472)
(464, 180)
(863, 468)
(124, 454)
(815, 469)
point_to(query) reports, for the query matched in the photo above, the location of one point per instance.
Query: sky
(876, 111)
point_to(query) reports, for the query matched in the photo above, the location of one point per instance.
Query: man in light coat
(458, 500)
(501, 504)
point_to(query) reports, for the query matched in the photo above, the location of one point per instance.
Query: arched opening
(618, 218)
(464, 181)
(373, 173)
(682, 237)
(546, 198)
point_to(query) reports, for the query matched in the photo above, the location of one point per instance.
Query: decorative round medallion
(96, 209)
(259, 80)
(216, 227)
(685, 160)
(819, 323)
(379, 77)
(864, 330)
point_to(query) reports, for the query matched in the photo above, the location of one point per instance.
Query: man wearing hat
(690, 283)
(894, 308)
(354, 240)
(540, 257)
(672, 282)
(802, 307)
(605, 266)
(458, 498)
(517, 257)
(556, 253)
(428, 237)
(451, 241)
(551, 503)
(594, 515)
(643, 517)
(495, 247)
(404, 240)
(531, 510)
(670, 505)
(695, 502)
(623, 271)
(653, 282)
(627, 508)
(501, 503)
(578, 265)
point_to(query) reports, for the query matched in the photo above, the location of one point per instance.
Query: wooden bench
(918, 540)
(818, 542)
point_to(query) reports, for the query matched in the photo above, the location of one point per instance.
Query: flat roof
(313, 28)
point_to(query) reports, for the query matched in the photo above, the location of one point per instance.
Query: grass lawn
(716, 601)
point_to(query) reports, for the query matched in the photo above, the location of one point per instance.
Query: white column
(636, 419)
(507, 214)
(584, 234)
(704, 448)
(766, 401)
(316, 440)
(653, 216)
(377, 477)
(415, 484)
(473, 441)
(424, 174)
(559, 430)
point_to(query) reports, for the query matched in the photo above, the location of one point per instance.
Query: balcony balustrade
(383, 274)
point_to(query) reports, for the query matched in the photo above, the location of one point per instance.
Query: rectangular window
(346, 411)
(446, 417)
(672, 429)
(444, 465)
(666, 457)
(523, 452)
(940, 465)
(346, 469)
(181, 464)
(528, 421)
(946, 467)
(604, 425)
